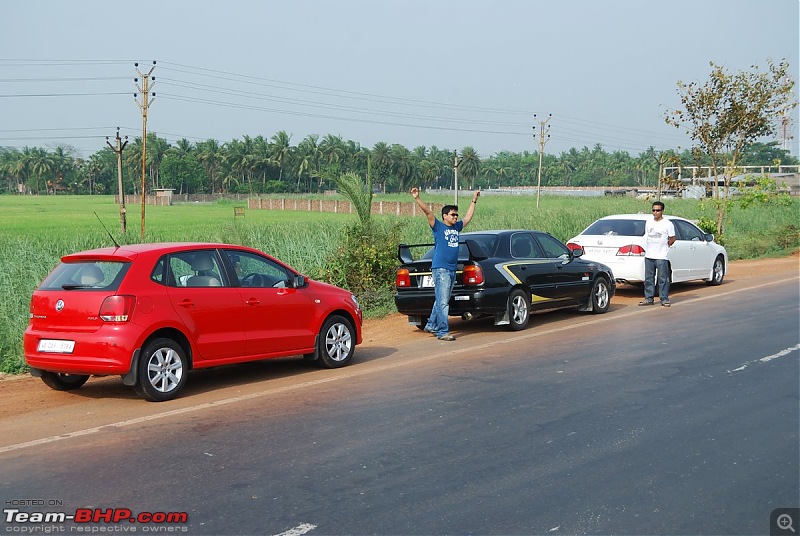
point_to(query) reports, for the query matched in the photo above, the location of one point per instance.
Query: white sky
(449, 73)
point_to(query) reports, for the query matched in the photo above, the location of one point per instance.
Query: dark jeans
(656, 269)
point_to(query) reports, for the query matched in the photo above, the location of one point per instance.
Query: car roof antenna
(106, 230)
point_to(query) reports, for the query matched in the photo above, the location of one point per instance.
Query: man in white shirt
(660, 235)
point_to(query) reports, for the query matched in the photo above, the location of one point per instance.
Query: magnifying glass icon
(784, 522)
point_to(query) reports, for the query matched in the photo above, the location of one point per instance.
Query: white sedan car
(618, 241)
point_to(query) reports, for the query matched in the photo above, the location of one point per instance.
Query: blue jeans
(443, 282)
(656, 268)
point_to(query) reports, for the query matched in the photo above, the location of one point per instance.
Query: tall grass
(36, 231)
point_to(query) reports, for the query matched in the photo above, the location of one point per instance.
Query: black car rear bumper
(476, 301)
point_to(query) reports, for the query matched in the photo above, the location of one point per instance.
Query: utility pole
(785, 134)
(660, 159)
(118, 150)
(455, 176)
(542, 141)
(144, 90)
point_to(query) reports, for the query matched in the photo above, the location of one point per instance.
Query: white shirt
(657, 234)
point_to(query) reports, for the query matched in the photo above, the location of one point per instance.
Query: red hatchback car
(152, 312)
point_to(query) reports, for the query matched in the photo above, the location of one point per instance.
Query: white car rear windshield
(616, 227)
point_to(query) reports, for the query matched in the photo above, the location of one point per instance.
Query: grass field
(35, 231)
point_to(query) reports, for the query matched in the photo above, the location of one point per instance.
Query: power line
(64, 94)
(314, 101)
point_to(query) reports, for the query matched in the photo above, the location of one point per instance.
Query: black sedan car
(506, 275)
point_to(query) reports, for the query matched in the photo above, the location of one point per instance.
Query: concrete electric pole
(118, 150)
(542, 141)
(455, 176)
(144, 91)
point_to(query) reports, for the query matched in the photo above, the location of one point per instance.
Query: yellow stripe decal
(514, 280)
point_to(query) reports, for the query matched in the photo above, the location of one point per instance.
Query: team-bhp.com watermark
(34, 516)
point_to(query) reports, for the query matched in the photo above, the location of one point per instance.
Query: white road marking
(782, 353)
(298, 530)
(350, 372)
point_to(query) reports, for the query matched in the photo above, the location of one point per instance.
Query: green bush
(365, 262)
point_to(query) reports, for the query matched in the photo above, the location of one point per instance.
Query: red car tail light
(472, 275)
(631, 250)
(117, 308)
(573, 246)
(402, 278)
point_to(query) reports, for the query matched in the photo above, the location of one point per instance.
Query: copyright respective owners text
(783, 521)
(55, 516)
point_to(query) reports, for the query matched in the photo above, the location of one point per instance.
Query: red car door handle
(186, 303)
(252, 301)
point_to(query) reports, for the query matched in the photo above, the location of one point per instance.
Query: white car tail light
(631, 250)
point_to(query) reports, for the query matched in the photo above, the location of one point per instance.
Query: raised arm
(471, 210)
(423, 206)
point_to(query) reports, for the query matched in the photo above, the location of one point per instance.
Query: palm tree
(308, 158)
(568, 167)
(11, 164)
(332, 150)
(92, 170)
(132, 159)
(156, 149)
(427, 171)
(280, 150)
(236, 158)
(183, 147)
(497, 170)
(356, 157)
(402, 164)
(41, 165)
(260, 158)
(210, 154)
(63, 166)
(469, 163)
(360, 195)
(381, 160)
(443, 159)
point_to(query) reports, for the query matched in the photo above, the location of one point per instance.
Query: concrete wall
(395, 208)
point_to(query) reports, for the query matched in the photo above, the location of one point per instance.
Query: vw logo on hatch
(59, 305)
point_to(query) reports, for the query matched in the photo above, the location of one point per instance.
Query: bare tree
(729, 112)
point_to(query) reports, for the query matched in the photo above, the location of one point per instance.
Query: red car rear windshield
(98, 275)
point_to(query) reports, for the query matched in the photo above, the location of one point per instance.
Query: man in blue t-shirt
(445, 259)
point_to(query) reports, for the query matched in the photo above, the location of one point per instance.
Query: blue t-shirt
(445, 254)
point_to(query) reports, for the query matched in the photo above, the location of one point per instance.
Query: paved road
(640, 421)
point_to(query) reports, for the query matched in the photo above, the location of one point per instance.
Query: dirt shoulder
(20, 394)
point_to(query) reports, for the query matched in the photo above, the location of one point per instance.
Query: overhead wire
(306, 100)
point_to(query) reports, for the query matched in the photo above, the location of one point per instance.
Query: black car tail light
(472, 274)
(402, 278)
(117, 308)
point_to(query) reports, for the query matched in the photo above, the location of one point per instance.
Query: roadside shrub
(365, 262)
(787, 237)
